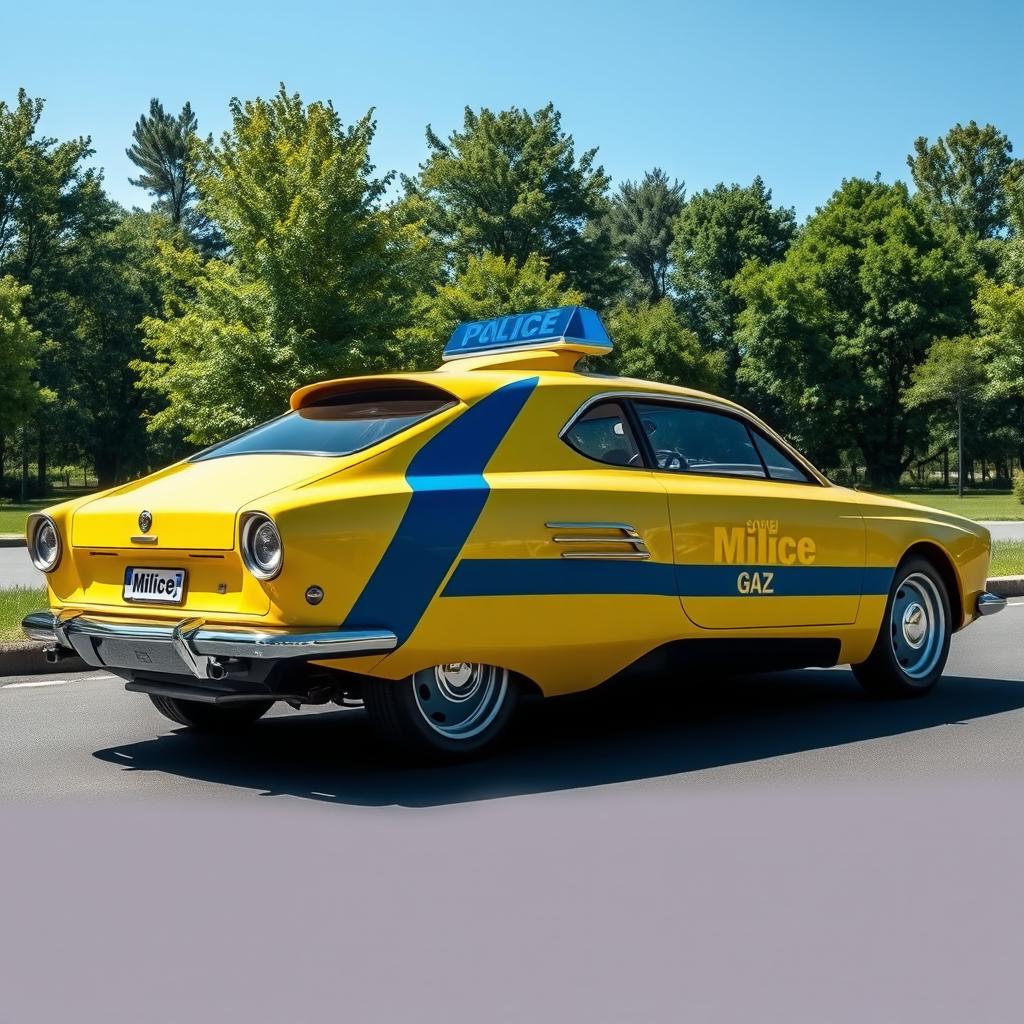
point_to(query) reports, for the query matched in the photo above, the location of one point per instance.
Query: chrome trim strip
(195, 643)
(593, 526)
(632, 538)
(594, 540)
(989, 604)
(145, 540)
(610, 556)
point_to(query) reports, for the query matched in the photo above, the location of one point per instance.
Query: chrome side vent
(610, 541)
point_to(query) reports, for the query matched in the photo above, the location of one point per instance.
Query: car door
(758, 542)
(568, 574)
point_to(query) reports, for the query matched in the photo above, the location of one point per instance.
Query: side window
(780, 466)
(602, 433)
(685, 438)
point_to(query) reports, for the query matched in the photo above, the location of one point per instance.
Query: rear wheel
(913, 641)
(450, 710)
(213, 718)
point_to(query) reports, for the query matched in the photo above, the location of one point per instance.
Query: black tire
(402, 710)
(211, 718)
(901, 664)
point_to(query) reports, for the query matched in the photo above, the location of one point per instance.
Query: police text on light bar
(577, 326)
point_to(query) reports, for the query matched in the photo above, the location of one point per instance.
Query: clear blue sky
(803, 93)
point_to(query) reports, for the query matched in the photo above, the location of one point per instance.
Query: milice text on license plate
(160, 586)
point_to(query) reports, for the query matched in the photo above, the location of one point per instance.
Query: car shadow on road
(619, 733)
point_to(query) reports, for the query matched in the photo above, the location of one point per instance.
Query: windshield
(338, 425)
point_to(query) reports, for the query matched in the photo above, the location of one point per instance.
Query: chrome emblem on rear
(145, 520)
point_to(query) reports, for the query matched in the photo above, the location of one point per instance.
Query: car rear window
(339, 424)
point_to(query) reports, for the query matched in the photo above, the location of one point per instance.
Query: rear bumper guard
(989, 604)
(191, 647)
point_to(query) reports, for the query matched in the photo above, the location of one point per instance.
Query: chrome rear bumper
(191, 647)
(989, 604)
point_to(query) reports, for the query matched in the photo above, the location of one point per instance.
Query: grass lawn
(12, 517)
(1007, 558)
(973, 505)
(15, 604)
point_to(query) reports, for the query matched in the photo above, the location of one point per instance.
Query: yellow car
(437, 544)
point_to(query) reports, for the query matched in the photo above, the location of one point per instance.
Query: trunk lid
(193, 505)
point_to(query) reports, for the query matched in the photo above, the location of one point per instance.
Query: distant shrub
(1018, 485)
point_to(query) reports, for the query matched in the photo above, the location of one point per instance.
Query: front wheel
(214, 718)
(913, 641)
(449, 710)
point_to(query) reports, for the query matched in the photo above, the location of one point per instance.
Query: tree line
(278, 254)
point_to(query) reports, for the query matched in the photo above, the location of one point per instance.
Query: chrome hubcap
(460, 699)
(917, 624)
(915, 627)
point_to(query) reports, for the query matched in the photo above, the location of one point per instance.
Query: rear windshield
(338, 425)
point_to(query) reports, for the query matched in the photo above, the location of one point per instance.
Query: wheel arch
(943, 564)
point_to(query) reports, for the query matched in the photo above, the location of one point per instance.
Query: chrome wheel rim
(459, 700)
(917, 626)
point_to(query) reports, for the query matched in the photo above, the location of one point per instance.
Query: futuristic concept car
(436, 544)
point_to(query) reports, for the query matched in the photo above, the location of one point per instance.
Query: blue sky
(801, 93)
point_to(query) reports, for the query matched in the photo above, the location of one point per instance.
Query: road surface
(774, 849)
(1006, 531)
(17, 570)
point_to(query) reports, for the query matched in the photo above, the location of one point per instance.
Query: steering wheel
(670, 458)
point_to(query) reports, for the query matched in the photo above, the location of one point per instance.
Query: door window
(779, 465)
(688, 439)
(602, 433)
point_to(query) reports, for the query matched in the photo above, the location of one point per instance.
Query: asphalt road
(1006, 531)
(17, 570)
(770, 849)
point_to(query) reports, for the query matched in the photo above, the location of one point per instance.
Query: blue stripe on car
(514, 577)
(448, 494)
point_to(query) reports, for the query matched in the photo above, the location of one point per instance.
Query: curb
(12, 540)
(26, 658)
(1006, 586)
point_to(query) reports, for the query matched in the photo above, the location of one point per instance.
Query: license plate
(157, 586)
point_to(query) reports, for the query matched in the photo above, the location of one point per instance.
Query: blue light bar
(575, 327)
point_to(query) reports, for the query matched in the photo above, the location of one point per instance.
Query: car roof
(470, 383)
(471, 379)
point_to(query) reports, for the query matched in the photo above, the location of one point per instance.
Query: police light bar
(574, 327)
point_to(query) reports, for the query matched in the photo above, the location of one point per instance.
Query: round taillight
(44, 543)
(262, 550)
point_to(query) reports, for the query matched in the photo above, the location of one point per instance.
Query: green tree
(999, 309)
(718, 231)
(510, 183)
(952, 376)
(19, 348)
(652, 342)
(833, 332)
(50, 204)
(489, 286)
(967, 176)
(48, 199)
(643, 220)
(164, 151)
(117, 285)
(318, 280)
